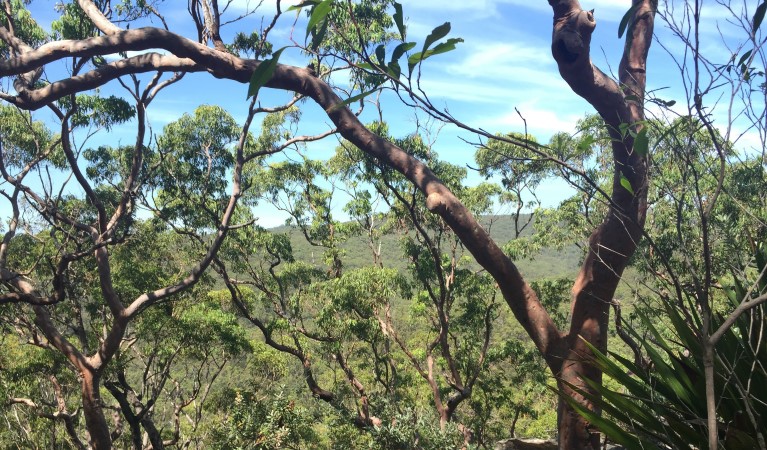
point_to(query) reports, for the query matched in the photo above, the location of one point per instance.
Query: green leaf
(626, 184)
(621, 405)
(745, 56)
(641, 142)
(366, 66)
(302, 4)
(610, 368)
(401, 49)
(585, 144)
(671, 385)
(394, 70)
(381, 54)
(435, 35)
(612, 430)
(413, 61)
(759, 15)
(625, 21)
(687, 336)
(630, 376)
(263, 73)
(352, 99)
(398, 20)
(623, 128)
(319, 13)
(319, 35)
(443, 47)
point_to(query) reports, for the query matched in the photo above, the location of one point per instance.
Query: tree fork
(615, 240)
(611, 244)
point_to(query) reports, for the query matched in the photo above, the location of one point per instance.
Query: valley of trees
(144, 306)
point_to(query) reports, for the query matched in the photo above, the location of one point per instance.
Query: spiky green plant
(661, 403)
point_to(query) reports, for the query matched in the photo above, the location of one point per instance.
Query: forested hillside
(486, 234)
(550, 262)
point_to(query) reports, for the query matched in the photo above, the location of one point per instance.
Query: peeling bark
(610, 245)
(99, 437)
(615, 240)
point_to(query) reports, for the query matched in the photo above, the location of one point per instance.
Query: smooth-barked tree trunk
(610, 246)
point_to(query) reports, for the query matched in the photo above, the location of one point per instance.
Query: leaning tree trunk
(99, 437)
(615, 240)
(611, 244)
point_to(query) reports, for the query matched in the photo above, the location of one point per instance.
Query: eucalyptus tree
(418, 322)
(79, 324)
(700, 283)
(89, 31)
(453, 305)
(71, 287)
(704, 252)
(173, 354)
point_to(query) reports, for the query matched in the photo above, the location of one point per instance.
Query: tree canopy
(143, 304)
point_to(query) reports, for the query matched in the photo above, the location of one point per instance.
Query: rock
(526, 444)
(536, 444)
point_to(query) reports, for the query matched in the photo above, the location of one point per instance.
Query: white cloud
(441, 87)
(266, 7)
(116, 57)
(496, 73)
(748, 142)
(475, 9)
(163, 116)
(493, 59)
(541, 122)
(508, 87)
(604, 9)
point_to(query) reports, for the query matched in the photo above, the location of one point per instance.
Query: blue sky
(504, 65)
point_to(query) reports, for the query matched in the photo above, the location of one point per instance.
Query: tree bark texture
(615, 240)
(99, 436)
(610, 245)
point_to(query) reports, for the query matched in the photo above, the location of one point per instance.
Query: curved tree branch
(192, 56)
(615, 240)
(610, 246)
